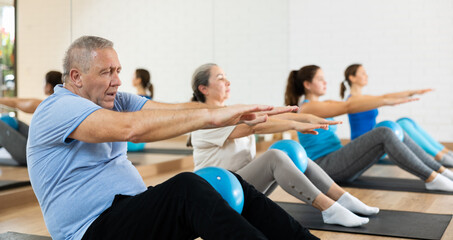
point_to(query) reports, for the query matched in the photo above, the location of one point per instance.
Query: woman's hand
(318, 120)
(248, 114)
(420, 91)
(397, 101)
(308, 128)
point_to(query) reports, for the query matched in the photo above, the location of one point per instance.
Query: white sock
(337, 214)
(441, 183)
(353, 204)
(447, 173)
(447, 160)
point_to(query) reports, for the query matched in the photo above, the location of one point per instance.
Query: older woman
(233, 148)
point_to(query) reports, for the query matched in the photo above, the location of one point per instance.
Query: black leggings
(187, 207)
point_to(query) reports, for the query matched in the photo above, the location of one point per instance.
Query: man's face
(100, 84)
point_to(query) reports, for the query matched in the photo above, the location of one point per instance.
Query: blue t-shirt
(146, 96)
(362, 122)
(322, 144)
(76, 181)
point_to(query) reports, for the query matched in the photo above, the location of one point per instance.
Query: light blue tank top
(322, 144)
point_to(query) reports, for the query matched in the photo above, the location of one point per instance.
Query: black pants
(187, 207)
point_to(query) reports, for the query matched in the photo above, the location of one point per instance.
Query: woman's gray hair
(201, 77)
(79, 54)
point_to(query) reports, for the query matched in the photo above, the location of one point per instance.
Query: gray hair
(79, 54)
(201, 77)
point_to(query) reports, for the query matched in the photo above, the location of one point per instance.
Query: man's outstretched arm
(153, 125)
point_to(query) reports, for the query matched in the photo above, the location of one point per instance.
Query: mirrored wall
(7, 51)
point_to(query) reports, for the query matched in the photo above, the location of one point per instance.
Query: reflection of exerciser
(13, 139)
(12, 122)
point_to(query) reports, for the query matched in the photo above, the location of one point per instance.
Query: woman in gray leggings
(233, 148)
(348, 162)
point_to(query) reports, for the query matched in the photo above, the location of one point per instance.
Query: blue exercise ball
(295, 151)
(12, 122)
(225, 183)
(396, 128)
(135, 147)
(405, 119)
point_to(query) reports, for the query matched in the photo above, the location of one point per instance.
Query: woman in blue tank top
(356, 78)
(142, 82)
(346, 163)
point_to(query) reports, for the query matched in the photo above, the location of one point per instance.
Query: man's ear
(75, 76)
(203, 89)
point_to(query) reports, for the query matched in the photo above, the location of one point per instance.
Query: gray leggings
(350, 161)
(15, 142)
(274, 168)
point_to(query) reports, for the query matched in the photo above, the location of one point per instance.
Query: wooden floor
(20, 212)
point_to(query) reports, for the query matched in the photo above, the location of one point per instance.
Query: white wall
(247, 39)
(403, 44)
(251, 44)
(169, 38)
(43, 34)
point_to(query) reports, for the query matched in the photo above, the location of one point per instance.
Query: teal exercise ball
(135, 147)
(226, 184)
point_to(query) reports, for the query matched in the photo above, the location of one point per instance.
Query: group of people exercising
(88, 189)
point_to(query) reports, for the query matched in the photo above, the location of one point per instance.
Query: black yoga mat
(174, 151)
(21, 236)
(391, 184)
(386, 223)
(7, 184)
